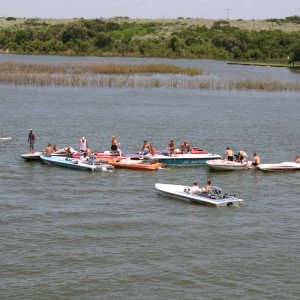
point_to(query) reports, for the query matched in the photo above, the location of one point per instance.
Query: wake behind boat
(5, 138)
(214, 198)
(284, 166)
(76, 163)
(226, 165)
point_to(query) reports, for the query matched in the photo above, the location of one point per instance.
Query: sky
(150, 9)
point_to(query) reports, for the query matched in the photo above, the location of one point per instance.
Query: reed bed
(81, 75)
(96, 68)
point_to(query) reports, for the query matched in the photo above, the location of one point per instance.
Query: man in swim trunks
(48, 150)
(185, 147)
(256, 159)
(114, 146)
(31, 140)
(229, 154)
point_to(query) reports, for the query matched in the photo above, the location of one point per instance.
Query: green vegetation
(164, 38)
(292, 19)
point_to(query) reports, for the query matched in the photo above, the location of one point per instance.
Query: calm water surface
(67, 234)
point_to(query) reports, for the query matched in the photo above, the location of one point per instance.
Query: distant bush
(277, 21)
(293, 19)
(10, 19)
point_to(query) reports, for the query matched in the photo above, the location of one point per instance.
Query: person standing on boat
(185, 147)
(115, 146)
(256, 159)
(229, 154)
(83, 144)
(31, 140)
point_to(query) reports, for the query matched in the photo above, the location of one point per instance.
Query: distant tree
(21, 36)
(294, 55)
(103, 40)
(73, 31)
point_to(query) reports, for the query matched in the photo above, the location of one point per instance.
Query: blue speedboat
(76, 163)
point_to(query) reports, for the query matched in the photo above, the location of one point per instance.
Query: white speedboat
(32, 156)
(226, 165)
(214, 198)
(185, 159)
(76, 163)
(284, 166)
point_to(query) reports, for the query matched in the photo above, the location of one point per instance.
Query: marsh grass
(96, 68)
(117, 76)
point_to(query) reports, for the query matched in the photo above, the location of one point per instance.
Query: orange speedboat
(133, 164)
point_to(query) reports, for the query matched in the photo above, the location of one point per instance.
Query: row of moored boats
(107, 161)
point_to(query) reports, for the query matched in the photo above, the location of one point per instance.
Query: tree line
(151, 39)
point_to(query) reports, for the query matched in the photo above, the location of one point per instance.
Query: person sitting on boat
(68, 150)
(171, 147)
(229, 154)
(115, 146)
(242, 156)
(84, 157)
(152, 150)
(195, 190)
(146, 148)
(83, 144)
(55, 148)
(185, 147)
(88, 151)
(297, 159)
(48, 150)
(256, 159)
(207, 189)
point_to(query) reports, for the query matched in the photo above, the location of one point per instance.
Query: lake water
(67, 234)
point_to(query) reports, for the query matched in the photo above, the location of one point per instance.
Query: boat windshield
(216, 190)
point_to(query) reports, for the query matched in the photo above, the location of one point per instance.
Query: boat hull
(133, 164)
(178, 191)
(185, 159)
(74, 164)
(284, 166)
(225, 165)
(32, 156)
